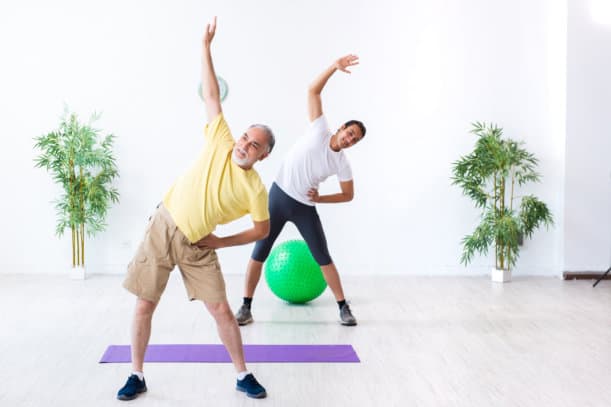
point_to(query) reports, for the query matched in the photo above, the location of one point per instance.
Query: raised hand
(210, 86)
(346, 61)
(209, 33)
(316, 87)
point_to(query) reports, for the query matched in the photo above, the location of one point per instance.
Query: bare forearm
(210, 87)
(335, 198)
(245, 237)
(320, 81)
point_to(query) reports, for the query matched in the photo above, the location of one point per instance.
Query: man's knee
(145, 308)
(219, 310)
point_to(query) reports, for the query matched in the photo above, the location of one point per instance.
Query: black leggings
(282, 209)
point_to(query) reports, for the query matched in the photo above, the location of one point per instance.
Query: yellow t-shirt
(215, 190)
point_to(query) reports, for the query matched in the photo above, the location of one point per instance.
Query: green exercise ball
(292, 273)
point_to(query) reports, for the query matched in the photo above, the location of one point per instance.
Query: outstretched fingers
(347, 61)
(210, 31)
(212, 27)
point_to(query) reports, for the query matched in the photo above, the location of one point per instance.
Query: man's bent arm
(259, 231)
(346, 195)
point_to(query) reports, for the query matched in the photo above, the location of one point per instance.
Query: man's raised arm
(210, 86)
(315, 89)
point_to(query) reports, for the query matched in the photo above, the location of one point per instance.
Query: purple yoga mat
(252, 353)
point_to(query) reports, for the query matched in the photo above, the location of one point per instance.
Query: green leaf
(490, 175)
(80, 160)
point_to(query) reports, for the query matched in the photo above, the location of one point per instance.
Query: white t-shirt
(311, 161)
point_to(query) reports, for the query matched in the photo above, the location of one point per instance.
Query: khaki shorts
(163, 248)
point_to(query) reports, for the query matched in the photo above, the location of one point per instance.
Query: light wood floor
(422, 342)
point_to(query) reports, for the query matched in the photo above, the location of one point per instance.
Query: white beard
(242, 162)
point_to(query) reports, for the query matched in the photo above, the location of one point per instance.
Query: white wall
(427, 70)
(588, 137)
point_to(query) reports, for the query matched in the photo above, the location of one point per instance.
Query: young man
(293, 195)
(222, 186)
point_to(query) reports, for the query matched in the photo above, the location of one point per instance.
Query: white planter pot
(500, 275)
(77, 272)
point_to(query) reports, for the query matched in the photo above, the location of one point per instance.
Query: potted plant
(81, 161)
(490, 176)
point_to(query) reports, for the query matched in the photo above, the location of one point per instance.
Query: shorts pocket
(200, 257)
(194, 254)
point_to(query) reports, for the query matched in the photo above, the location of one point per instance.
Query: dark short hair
(271, 140)
(357, 123)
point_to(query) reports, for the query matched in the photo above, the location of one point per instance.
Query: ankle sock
(247, 302)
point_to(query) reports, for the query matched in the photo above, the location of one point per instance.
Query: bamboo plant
(81, 161)
(491, 175)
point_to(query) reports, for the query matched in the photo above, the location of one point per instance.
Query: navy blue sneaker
(251, 387)
(132, 388)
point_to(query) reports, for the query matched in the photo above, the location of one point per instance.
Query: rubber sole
(261, 395)
(248, 321)
(123, 397)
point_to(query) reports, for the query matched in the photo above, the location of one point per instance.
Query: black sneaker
(251, 387)
(132, 388)
(243, 316)
(346, 316)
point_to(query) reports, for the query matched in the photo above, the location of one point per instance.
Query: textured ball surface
(292, 273)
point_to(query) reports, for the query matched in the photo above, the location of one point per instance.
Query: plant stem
(83, 244)
(502, 205)
(82, 216)
(71, 205)
(76, 249)
(513, 182)
(80, 252)
(496, 240)
(73, 246)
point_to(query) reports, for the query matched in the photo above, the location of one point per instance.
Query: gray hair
(271, 140)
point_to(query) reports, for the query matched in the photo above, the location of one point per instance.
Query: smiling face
(251, 147)
(347, 136)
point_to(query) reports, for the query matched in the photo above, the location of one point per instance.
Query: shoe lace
(250, 379)
(133, 380)
(346, 314)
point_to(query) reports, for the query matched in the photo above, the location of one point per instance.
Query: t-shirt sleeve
(217, 131)
(319, 127)
(345, 171)
(259, 210)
